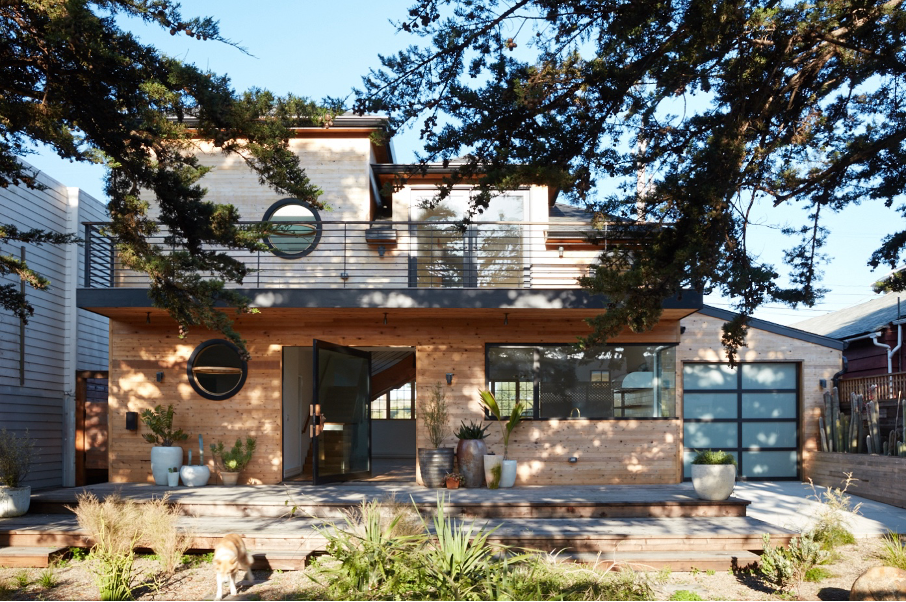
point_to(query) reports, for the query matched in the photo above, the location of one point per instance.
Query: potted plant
(173, 476)
(164, 454)
(470, 453)
(233, 461)
(436, 461)
(501, 471)
(713, 475)
(453, 480)
(15, 459)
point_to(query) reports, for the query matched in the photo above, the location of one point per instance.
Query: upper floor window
(302, 234)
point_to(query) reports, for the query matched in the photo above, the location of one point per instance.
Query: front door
(341, 414)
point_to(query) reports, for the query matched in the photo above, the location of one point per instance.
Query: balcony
(397, 255)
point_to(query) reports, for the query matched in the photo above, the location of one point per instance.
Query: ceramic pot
(162, 459)
(434, 464)
(14, 501)
(493, 464)
(172, 479)
(470, 455)
(713, 482)
(508, 474)
(195, 476)
(452, 483)
(229, 478)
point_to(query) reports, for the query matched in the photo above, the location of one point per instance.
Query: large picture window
(395, 405)
(557, 381)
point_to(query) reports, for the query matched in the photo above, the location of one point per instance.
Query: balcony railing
(367, 254)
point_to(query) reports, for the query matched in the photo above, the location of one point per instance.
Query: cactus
(823, 434)
(844, 432)
(901, 450)
(829, 422)
(876, 428)
(838, 430)
(860, 402)
(891, 443)
(885, 450)
(868, 443)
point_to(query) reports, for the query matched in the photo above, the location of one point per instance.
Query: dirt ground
(195, 581)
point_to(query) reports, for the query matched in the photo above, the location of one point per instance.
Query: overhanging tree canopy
(720, 104)
(72, 78)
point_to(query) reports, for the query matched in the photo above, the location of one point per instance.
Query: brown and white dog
(231, 559)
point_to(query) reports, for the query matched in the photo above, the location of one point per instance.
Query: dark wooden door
(91, 428)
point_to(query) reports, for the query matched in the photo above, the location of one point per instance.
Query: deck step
(273, 560)
(37, 557)
(685, 561)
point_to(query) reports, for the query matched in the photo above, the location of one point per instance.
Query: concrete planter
(493, 470)
(195, 476)
(713, 482)
(434, 464)
(173, 479)
(14, 501)
(229, 478)
(163, 458)
(508, 474)
(470, 454)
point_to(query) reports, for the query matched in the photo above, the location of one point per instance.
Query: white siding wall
(38, 404)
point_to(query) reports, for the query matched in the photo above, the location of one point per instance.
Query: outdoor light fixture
(381, 250)
(449, 378)
(131, 421)
(560, 250)
(385, 319)
(148, 318)
(160, 377)
(506, 319)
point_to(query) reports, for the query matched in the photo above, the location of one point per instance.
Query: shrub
(490, 405)
(116, 526)
(162, 535)
(831, 528)
(160, 422)
(16, 454)
(706, 456)
(236, 459)
(47, 578)
(683, 595)
(786, 568)
(435, 415)
(893, 551)
(817, 574)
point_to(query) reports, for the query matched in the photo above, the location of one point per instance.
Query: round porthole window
(216, 369)
(301, 236)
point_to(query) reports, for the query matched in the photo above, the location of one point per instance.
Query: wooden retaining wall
(880, 478)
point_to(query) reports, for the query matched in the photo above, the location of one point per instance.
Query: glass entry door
(341, 416)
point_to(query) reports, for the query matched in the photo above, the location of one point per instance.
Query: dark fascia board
(374, 122)
(413, 169)
(411, 298)
(785, 331)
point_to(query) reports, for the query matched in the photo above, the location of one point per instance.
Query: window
(557, 381)
(216, 369)
(395, 405)
(301, 236)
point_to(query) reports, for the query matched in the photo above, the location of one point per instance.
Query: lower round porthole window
(301, 236)
(216, 369)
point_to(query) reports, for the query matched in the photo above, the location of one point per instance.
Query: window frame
(536, 380)
(319, 227)
(244, 367)
(740, 420)
(386, 410)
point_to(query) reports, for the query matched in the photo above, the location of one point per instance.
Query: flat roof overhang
(126, 302)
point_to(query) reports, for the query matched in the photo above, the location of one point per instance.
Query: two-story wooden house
(365, 308)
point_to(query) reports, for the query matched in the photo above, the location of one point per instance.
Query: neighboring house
(40, 363)
(873, 332)
(365, 308)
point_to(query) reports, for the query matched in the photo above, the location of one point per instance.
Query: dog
(231, 559)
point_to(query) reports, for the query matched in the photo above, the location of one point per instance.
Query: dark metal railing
(364, 254)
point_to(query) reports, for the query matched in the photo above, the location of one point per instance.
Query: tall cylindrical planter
(713, 482)
(14, 501)
(163, 458)
(434, 464)
(508, 473)
(470, 454)
(493, 470)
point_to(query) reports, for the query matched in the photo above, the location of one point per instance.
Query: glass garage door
(751, 411)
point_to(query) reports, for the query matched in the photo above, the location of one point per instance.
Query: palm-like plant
(489, 404)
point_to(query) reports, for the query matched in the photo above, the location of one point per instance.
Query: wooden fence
(882, 386)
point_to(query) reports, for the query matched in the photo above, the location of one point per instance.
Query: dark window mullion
(536, 383)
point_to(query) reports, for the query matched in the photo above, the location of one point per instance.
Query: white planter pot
(490, 462)
(229, 478)
(195, 476)
(713, 482)
(173, 479)
(163, 458)
(14, 501)
(508, 474)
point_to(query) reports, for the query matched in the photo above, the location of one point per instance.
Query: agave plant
(489, 404)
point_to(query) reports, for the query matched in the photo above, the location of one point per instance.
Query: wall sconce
(131, 421)
(381, 250)
(560, 251)
(160, 377)
(385, 319)
(506, 319)
(822, 382)
(449, 378)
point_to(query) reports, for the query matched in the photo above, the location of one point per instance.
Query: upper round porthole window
(301, 235)
(216, 369)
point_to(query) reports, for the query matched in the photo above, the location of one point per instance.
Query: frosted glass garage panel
(708, 376)
(710, 435)
(768, 434)
(689, 455)
(768, 464)
(769, 405)
(708, 406)
(769, 376)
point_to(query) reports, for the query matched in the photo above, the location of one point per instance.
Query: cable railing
(398, 254)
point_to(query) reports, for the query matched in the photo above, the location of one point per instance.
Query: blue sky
(317, 49)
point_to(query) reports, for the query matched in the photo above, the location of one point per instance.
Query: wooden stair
(38, 557)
